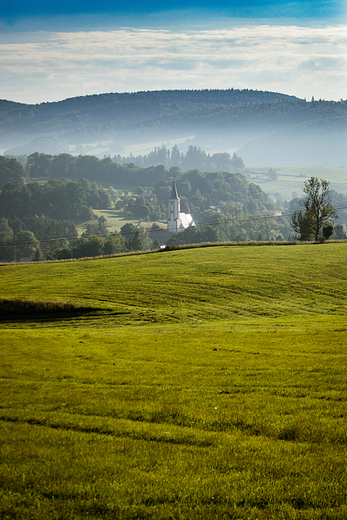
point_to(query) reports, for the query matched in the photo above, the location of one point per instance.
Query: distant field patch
(292, 179)
(115, 219)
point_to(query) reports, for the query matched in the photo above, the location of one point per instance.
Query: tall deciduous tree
(25, 244)
(12, 170)
(39, 165)
(318, 210)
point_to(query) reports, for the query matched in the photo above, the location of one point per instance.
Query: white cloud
(302, 61)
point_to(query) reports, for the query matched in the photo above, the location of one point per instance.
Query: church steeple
(174, 221)
(174, 194)
(177, 221)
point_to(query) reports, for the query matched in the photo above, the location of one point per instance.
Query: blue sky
(51, 50)
(14, 10)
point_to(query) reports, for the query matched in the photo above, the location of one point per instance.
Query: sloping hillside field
(194, 384)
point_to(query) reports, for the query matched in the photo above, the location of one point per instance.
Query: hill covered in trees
(33, 215)
(267, 128)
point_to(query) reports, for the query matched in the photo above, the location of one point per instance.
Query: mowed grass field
(199, 383)
(291, 180)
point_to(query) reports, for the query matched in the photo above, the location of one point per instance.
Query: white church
(177, 221)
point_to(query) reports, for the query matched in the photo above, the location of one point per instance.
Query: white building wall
(177, 221)
(173, 222)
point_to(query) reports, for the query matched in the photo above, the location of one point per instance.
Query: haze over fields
(265, 128)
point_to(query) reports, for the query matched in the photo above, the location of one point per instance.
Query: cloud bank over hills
(301, 61)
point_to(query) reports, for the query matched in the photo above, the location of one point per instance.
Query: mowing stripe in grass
(119, 428)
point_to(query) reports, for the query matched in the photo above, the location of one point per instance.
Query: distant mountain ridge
(131, 107)
(249, 121)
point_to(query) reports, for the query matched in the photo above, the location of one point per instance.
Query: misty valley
(264, 128)
(62, 198)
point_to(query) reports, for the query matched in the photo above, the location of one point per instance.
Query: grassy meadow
(193, 384)
(291, 180)
(116, 218)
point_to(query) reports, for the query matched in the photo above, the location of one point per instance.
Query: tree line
(60, 241)
(56, 199)
(193, 158)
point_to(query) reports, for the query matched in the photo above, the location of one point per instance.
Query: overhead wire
(235, 220)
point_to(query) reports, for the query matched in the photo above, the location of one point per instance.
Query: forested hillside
(41, 204)
(292, 131)
(39, 218)
(130, 108)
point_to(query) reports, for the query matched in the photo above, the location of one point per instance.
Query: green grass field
(115, 219)
(194, 384)
(291, 180)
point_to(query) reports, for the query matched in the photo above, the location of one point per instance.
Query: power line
(224, 221)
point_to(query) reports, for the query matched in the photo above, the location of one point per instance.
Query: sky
(57, 49)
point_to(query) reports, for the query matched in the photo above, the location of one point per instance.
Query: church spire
(177, 221)
(174, 194)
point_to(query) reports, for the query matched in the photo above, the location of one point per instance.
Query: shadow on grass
(27, 310)
(31, 310)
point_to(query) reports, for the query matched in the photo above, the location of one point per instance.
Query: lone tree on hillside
(318, 216)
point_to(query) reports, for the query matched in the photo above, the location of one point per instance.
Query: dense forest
(130, 171)
(265, 128)
(41, 204)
